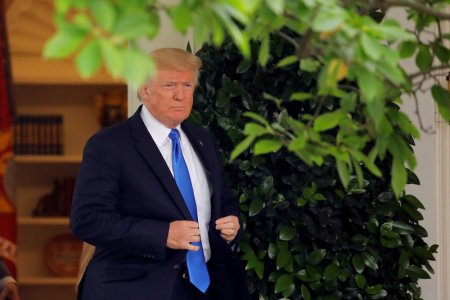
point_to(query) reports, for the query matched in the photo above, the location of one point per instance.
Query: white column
(443, 204)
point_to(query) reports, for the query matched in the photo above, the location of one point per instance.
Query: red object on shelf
(7, 209)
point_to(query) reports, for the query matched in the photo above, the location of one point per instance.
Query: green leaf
(305, 292)
(398, 180)
(277, 6)
(360, 280)
(242, 146)
(181, 16)
(113, 57)
(328, 19)
(137, 25)
(300, 96)
(288, 60)
(266, 146)
(373, 290)
(138, 66)
(103, 12)
(371, 46)
(243, 66)
(222, 99)
(284, 257)
(287, 233)
(416, 273)
(283, 283)
(369, 260)
(62, 6)
(254, 129)
(309, 65)
(66, 40)
(331, 272)
(407, 49)
(328, 120)
(412, 212)
(371, 87)
(400, 150)
(259, 269)
(442, 53)
(263, 55)
(272, 251)
(358, 263)
(424, 59)
(442, 98)
(411, 199)
(256, 117)
(256, 207)
(344, 173)
(402, 228)
(315, 257)
(89, 59)
(392, 30)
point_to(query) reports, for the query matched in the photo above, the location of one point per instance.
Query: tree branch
(419, 117)
(417, 7)
(287, 38)
(433, 68)
(386, 4)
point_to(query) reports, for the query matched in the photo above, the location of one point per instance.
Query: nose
(178, 93)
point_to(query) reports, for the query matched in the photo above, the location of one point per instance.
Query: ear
(144, 91)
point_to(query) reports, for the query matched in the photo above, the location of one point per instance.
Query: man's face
(169, 96)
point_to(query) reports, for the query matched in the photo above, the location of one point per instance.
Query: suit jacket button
(176, 266)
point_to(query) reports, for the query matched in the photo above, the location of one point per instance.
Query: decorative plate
(62, 255)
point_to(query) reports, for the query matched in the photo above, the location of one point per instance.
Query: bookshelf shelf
(45, 221)
(47, 159)
(43, 183)
(53, 281)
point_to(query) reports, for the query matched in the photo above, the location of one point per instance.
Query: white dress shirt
(200, 184)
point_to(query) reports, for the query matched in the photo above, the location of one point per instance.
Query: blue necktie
(195, 260)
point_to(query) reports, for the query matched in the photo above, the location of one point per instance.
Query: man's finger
(189, 246)
(227, 219)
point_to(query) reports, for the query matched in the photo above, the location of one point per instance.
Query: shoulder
(112, 132)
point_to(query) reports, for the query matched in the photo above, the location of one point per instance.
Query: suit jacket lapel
(150, 152)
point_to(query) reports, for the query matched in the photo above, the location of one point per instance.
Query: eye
(169, 85)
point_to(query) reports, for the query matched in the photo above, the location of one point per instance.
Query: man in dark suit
(8, 286)
(152, 197)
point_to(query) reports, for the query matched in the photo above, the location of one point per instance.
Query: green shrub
(306, 237)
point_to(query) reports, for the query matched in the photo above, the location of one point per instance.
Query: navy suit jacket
(125, 197)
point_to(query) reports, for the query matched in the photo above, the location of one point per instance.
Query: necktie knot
(174, 135)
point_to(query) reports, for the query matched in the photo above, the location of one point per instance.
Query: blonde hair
(175, 59)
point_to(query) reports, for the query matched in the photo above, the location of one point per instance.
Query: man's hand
(9, 292)
(228, 226)
(182, 234)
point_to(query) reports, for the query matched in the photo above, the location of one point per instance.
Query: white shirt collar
(157, 130)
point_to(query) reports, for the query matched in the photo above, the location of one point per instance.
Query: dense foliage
(307, 237)
(338, 40)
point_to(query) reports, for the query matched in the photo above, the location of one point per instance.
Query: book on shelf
(38, 134)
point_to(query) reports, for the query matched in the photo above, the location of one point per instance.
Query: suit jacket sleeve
(229, 203)
(3, 270)
(5, 276)
(95, 216)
